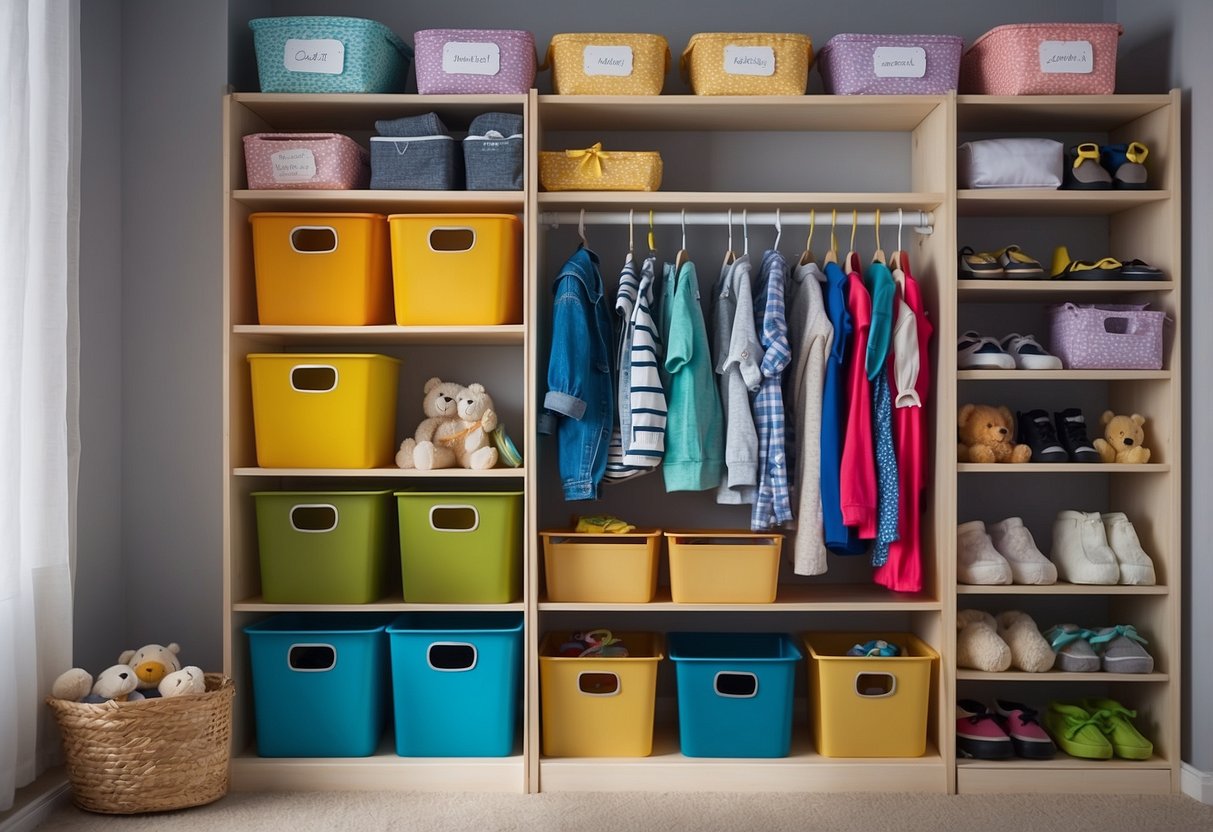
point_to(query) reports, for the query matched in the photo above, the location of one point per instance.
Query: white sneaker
(981, 352)
(1028, 354)
(1136, 568)
(977, 561)
(1014, 542)
(1081, 551)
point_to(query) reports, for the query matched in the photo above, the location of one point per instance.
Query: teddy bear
(189, 679)
(151, 663)
(455, 432)
(117, 682)
(1122, 438)
(986, 435)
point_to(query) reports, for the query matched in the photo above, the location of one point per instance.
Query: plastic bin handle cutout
(313, 378)
(454, 518)
(875, 685)
(314, 518)
(313, 239)
(451, 656)
(733, 685)
(311, 658)
(448, 240)
(599, 684)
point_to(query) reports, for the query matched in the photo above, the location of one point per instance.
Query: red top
(857, 474)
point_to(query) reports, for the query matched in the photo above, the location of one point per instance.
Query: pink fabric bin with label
(306, 161)
(474, 61)
(1107, 336)
(1042, 59)
(890, 64)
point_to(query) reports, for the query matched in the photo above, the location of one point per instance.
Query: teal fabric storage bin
(320, 683)
(456, 680)
(734, 693)
(329, 54)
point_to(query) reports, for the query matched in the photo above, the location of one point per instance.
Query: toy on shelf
(151, 663)
(594, 644)
(1122, 438)
(986, 435)
(456, 431)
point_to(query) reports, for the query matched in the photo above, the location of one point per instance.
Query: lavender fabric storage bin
(416, 163)
(852, 64)
(1107, 336)
(305, 161)
(474, 61)
(328, 54)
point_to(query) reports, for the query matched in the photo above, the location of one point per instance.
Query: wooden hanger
(832, 254)
(807, 257)
(878, 255)
(729, 255)
(852, 262)
(895, 260)
(682, 255)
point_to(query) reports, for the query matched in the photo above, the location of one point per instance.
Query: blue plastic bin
(320, 684)
(455, 683)
(329, 54)
(734, 693)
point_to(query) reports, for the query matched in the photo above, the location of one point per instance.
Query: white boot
(1081, 551)
(1014, 542)
(1136, 568)
(977, 561)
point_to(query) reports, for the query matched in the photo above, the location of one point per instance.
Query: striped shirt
(773, 505)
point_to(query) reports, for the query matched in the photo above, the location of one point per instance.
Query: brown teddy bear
(986, 435)
(1122, 438)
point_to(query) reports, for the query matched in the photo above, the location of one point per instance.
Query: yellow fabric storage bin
(599, 707)
(457, 269)
(586, 568)
(723, 567)
(869, 706)
(322, 269)
(595, 169)
(313, 410)
(608, 64)
(747, 63)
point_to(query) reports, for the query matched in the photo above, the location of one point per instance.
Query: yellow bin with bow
(595, 169)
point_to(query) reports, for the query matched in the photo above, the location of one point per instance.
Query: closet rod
(921, 221)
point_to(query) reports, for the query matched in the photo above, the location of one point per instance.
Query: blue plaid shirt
(773, 505)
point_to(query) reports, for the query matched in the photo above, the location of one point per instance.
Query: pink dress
(857, 475)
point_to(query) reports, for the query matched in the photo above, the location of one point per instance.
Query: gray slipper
(1121, 650)
(1074, 651)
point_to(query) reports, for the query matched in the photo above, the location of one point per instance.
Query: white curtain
(39, 372)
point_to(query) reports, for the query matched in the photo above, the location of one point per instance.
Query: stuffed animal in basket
(986, 435)
(188, 679)
(1122, 438)
(456, 430)
(151, 663)
(117, 682)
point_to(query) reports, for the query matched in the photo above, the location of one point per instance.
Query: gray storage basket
(492, 152)
(421, 163)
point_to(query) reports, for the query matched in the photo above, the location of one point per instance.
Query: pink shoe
(1027, 736)
(978, 733)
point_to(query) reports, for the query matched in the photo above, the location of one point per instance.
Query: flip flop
(1066, 269)
(979, 266)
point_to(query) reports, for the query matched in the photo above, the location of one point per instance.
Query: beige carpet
(626, 812)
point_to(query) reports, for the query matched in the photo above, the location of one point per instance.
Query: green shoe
(1127, 742)
(1076, 732)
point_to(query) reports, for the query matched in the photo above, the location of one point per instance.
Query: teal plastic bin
(456, 679)
(734, 693)
(325, 547)
(329, 54)
(320, 684)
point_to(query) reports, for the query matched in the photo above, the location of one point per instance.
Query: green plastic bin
(324, 547)
(460, 547)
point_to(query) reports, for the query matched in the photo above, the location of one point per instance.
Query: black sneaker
(1035, 429)
(1072, 429)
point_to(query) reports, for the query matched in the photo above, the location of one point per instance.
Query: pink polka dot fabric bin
(1042, 59)
(305, 161)
(1107, 336)
(890, 64)
(474, 61)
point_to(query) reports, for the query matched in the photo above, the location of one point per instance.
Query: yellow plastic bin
(599, 707)
(457, 269)
(723, 567)
(322, 269)
(319, 410)
(583, 568)
(869, 706)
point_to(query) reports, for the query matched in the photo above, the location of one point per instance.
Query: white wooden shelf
(386, 202)
(1061, 468)
(623, 200)
(1063, 375)
(451, 335)
(1052, 113)
(388, 473)
(1030, 202)
(1052, 291)
(359, 111)
(789, 598)
(1057, 676)
(1064, 775)
(392, 604)
(1061, 588)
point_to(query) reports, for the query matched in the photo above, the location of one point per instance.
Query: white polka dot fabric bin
(474, 61)
(1042, 59)
(305, 161)
(1107, 336)
(852, 64)
(747, 63)
(328, 54)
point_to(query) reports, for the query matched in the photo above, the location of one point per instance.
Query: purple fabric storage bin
(890, 64)
(474, 61)
(1107, 336)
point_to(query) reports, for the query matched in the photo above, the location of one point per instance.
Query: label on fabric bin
(298, 165)
(461, 58)
(899, 62)
(749, 60)
(607, 60)
(324, 56)
(1070, 56)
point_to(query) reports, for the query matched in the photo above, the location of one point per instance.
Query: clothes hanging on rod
(773, 503)
(857, 476)
(882, 288)
(839, 537)
(737, 353)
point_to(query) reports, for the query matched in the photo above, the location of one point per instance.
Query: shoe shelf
(1051, 291)
(1060, 588)
(509, 334)
(1061, 467)
(1057, 676)
(1047, 202)
(1064, 775)
(1063, 375)
(1056, 113)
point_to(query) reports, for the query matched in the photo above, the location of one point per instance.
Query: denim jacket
(579, 376)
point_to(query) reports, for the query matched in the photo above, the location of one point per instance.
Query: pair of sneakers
(1012, 730)
(1090, 167)
(1014, 351)
(1115, 649)
(1062, 438)
(1103, 549)
(1096, 729)
(1003, 553)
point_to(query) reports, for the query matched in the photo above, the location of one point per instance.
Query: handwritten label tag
(899, 62)
(324, 56)
(607, 60)
(462, 58)
(298, 165)
(749, 60)
(1068, 56)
